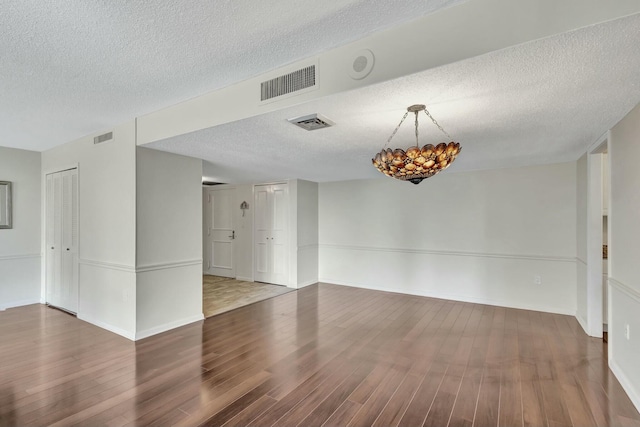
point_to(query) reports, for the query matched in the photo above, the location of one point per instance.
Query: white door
(62, 240)
(270, 234)
(220, 232)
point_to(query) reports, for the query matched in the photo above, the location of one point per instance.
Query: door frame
(595, 172)
(43, 233)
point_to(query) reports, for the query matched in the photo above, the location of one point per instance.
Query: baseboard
(453, 297)
(19, 303)
(626, 384)
(167, 326)
(307, 283)
(244, 279)
(582, 323)
(108, 327)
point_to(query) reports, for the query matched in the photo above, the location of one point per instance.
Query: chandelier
(416, 164)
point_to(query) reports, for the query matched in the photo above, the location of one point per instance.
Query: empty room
(348, 213)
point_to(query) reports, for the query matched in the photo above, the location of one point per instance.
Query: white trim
(168, 326)
(166, 265)
(307, 283)
(597, 144)
(452, 297)
(626, 384)
(19, 256)
(107, 265)
(580, 260)
(108, 327)
(630, 292)
(19, 303)
(582, 323)
(139, 269)
(244, 279)
(452, 253)
(61, 169)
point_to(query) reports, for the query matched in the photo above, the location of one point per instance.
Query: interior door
(62, 240)
(278, 242)
(270, 234)
(69, 241)
(262, 233)
(54, 236)
(221, 233)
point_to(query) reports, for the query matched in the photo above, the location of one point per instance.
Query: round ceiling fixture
(362, 64)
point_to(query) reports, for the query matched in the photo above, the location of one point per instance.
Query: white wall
(107, 228)
(624, 252)
(581, 242)
(20, 245)
(307, 233)
(478, 236)
(244, 233)
(169, 241)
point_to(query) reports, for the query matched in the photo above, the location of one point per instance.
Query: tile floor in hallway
(222, 294)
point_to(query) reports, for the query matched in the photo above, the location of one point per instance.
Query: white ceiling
(542, 102)
(69, 68)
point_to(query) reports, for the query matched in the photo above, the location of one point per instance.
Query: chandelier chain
(396, 129)
(417, 145)
(435, 123)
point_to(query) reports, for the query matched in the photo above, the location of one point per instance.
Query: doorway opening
(228, 280)
(598, 241)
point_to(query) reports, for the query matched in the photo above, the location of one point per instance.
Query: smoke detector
(312, 122)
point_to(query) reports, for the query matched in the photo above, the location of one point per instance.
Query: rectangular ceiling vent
(312, 122)
(288, 83)
(105, 137)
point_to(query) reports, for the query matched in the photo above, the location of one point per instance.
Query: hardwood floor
(222, 294)
(324, 355)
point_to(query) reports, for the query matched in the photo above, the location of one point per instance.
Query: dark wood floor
(325, 355)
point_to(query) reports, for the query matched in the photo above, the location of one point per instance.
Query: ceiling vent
(312, 122)
(105, 137)
(295, 81)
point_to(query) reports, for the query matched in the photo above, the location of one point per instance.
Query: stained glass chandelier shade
(416, 164)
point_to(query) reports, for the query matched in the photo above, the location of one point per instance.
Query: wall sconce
(244, 206)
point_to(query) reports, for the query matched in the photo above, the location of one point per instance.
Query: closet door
(278, 242)
(69, 248)
(54, 236)
(62, 240)
(270, 234)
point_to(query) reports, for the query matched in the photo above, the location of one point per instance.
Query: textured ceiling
(69, 68)
(542, 102)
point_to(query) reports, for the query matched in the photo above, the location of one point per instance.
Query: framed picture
(5, 204)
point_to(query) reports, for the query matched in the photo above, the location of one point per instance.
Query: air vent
(292, 82)
(312, 122)
(103, 138)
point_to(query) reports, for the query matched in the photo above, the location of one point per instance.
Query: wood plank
(323, 355)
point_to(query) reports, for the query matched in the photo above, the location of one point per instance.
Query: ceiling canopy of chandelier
(415, 164)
